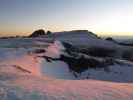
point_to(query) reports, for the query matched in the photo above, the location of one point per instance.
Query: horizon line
(10, 34)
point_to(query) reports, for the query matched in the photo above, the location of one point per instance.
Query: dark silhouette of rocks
(49, 32)
(127, 55)
(101, 52)
(111, 39)
(37, 51)
(82, 63)
(38, 33)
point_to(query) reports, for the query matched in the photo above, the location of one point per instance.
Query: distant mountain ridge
(41, 33)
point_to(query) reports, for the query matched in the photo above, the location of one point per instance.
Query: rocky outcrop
(38, 33)
(111, 40)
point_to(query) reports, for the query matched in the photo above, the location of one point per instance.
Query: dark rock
(101, 52)
(39, 51)
(70, 48)
(127, 55)
(81, 64)
(111, 39)
(38, 33)
(49, 32)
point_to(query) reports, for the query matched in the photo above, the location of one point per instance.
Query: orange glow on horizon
(98, 33)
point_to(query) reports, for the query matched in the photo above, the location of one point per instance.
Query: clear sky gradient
(105, 17)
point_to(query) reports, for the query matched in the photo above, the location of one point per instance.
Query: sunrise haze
(104, 17)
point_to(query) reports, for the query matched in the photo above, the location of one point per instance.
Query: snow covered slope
(14, 86)
(57, 62)
(65, 67)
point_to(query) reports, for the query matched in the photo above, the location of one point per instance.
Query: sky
(104, 17)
